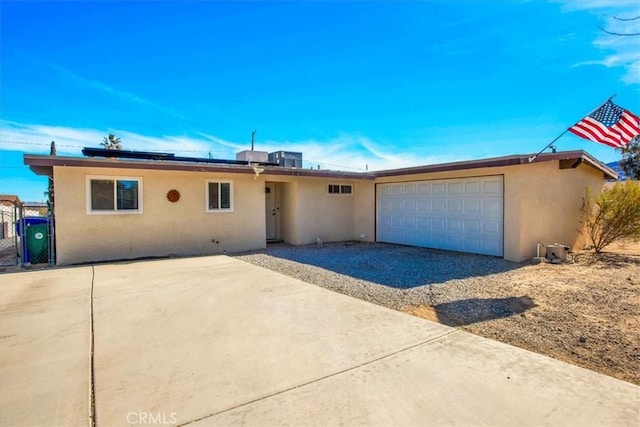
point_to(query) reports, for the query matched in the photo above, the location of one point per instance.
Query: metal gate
(26, 233)
(9, 217)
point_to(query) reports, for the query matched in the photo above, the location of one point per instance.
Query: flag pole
(532, 158)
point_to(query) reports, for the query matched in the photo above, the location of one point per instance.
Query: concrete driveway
(216, 341)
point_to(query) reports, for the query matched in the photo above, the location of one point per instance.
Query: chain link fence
(9, 241)
(26, 234)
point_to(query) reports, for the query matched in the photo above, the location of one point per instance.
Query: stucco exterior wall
(557, 208)
(541, 202)
(288, 211)
(313, 212)
(364, 222)
(164, 228)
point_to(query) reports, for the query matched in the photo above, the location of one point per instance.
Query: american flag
(610, 124)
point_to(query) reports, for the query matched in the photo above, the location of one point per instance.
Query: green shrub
(613, 215)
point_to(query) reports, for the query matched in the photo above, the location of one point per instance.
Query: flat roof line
(42, 164)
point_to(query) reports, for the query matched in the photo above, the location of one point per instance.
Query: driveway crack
(385, 356)
(92, 388)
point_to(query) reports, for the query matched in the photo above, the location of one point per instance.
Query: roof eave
(43, 165)
(502, 161)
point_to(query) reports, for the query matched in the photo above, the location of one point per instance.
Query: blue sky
(350, 84)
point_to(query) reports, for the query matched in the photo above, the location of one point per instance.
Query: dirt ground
(585, 312)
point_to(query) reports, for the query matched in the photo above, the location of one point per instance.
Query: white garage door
(455, 214)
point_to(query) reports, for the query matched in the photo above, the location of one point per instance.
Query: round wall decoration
(173, 196)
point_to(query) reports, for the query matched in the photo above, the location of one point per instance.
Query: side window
(219, 196)
(334, 189)
(114, 195)
(339, 189)
(345, 189)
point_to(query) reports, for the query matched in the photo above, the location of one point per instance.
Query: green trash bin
(38, 243)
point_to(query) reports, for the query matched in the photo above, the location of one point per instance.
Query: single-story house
(125, 208)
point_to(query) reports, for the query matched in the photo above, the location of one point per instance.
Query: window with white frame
(108, 194)
(340, 189)
(219, 196)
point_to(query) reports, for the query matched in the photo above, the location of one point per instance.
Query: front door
(271, 210)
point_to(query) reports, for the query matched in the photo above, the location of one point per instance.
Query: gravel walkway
(584, 312)
(358, 269)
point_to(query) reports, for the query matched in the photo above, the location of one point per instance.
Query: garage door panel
(410, 205)
(411, 238)
(473, 245)
(384, 221)
(438, 205)
(490, 248)
(492, 208)
(439, 188)
(492, 227)
(424, 205)
(473, 206)
(424, 189)
(438, 241)
(454, 188)
(409, 189)
(454, 225)
(471, 226)
(456, 214)
(397, 190)
(423, 223)
(472, 187)
(455, 242)
(454, 206)
(385, 206)
(438, 224)
(492, 187)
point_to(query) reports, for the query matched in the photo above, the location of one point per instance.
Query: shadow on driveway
(396, 266)
(473, 310)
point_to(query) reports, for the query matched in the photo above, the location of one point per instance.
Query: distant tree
(111, 142)
(613, 215)
(630, 162)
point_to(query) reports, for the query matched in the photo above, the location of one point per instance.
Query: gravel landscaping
(584, 312)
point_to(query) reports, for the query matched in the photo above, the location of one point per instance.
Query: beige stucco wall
(185, 228)
(308, 211)
(329, 216)
(364, 222)
(541, 202)
(555, 214)
(288, 211)
(164, 228)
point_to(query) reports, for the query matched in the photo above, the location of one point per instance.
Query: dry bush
(613, 215)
